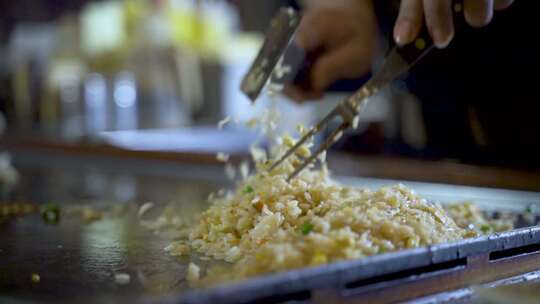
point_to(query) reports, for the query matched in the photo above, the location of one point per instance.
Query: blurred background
(98, 70)
(141, 75)
(71, 69)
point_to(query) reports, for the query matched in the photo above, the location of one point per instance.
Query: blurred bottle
(95, 102)
(125, 100)
(133, 67)
(204, 34)
(30, 47)
(61, 110)
(102, 40)
(151, 59)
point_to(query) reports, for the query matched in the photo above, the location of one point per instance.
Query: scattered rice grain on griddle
(222, 157)
(223, 122)
(268, 224)
(193, 272)
(122, 278)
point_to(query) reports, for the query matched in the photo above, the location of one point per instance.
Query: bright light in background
(125, 93)
(102, 27)
(125, 100)
(207, 26)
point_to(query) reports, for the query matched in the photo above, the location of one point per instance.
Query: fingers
(348, 40)
(409, 21)
(502, 4)
(312, 31)
(478, 13)
(439, 20)
(340, 63)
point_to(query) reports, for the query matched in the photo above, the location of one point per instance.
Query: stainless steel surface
(486, 198)
(77, 261)
(469, 295)
(276, 41)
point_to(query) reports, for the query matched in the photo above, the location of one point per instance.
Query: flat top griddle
(77, 262)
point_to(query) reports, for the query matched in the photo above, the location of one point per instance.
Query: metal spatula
(277, 39)
(399, 61)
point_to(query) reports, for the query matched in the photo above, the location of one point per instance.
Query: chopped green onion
(306, 228)
(51, 213)
(530, 209)
(485, 228)
(248, 189)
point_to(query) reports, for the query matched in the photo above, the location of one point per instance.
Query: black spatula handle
(423, 43)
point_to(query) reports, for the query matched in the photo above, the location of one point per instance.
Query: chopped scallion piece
(248, 189)
(306, 228)
(51, 213)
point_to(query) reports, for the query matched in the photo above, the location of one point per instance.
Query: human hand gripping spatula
(398, 61)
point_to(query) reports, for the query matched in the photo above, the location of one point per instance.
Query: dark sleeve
(294, 4)
(386, 11)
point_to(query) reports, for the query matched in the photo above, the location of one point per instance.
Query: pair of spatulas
(279, 37)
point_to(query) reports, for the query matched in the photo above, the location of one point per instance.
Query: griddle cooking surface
(77, 261)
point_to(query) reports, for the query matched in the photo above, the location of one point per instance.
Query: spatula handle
(412, 52)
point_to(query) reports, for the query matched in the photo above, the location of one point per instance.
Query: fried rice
(269, 224)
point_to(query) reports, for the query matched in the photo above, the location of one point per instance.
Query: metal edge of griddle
(337, 275)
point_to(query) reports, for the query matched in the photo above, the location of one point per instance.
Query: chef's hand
(346, 34)
(438, 17)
